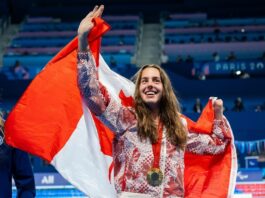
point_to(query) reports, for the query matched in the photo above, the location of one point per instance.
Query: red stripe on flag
(205, 122)
(105, 136)
(49, 110)
(206, 176)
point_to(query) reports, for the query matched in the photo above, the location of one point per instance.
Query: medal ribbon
(157, 146)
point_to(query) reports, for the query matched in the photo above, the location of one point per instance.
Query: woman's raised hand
(218, 109)
(86, 25)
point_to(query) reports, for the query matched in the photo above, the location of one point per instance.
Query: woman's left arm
(217, 141)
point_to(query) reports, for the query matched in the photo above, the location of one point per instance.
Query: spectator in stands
(19, 71)
(121, 40)
(210, 39)
(263, 106)
(197, 107)
(164, 57)
(262, 58)
(215, 24)
(3, 76)
(258, 108)
(4, 114)
(228, 38)
(189, 59)
(231, 56)
(14, 163)
(261, 38)
(238, 105)
(113, 62)
(216, 57)
(140, 129)
(179, 59)
(216, 31)
(167, 41)
(192, 40)
(5, 12)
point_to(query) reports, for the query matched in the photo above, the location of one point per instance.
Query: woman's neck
(156, 116)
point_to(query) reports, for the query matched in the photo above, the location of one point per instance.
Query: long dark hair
(169, 112)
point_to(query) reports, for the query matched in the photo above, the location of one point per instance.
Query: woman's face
(151, 87)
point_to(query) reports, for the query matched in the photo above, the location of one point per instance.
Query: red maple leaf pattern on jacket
(133, 157)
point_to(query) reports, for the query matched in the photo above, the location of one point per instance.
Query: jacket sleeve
(22, 174)
(96, 97)
(214, 143)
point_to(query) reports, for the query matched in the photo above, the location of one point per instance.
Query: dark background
(151, 10)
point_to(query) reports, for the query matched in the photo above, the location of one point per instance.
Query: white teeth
(150, 93)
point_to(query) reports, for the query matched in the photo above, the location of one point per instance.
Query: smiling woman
(151, 136)
(156, 102)
(151, 87)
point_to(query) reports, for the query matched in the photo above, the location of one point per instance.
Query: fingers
(218, 109)
(96, 12)
(95, 8)
(218, 106)
(100, 10)
(218, 102)
(92, 12)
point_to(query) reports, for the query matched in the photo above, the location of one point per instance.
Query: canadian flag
(51, 121)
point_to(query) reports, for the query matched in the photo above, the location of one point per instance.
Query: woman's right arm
(111, 113)
(87, 72)
(96, 97)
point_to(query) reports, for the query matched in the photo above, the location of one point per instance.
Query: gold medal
(154, 177)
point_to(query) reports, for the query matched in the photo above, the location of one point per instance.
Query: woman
(14, 163)
(150, 137)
